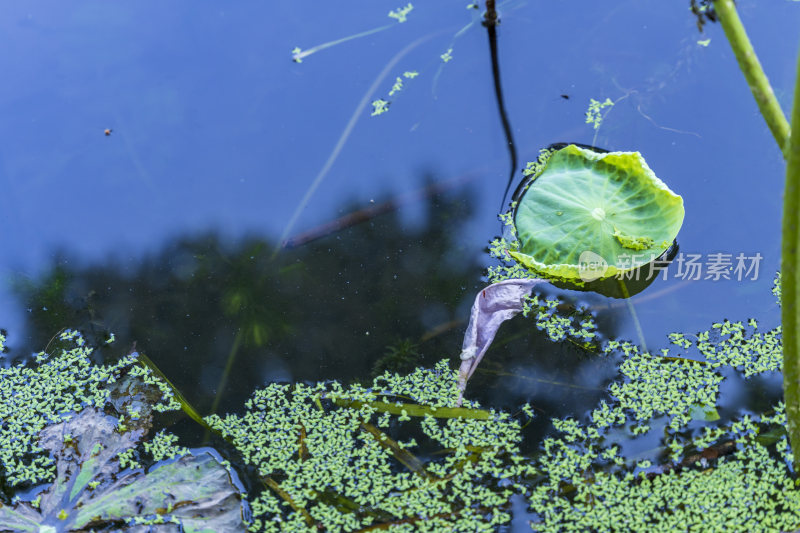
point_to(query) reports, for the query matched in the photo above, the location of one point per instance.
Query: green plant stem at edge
(790, 312)
(753, 73)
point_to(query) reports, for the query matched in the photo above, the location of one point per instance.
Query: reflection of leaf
(192, 492)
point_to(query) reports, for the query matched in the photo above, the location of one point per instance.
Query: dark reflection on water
(380, 295)
(222, 318)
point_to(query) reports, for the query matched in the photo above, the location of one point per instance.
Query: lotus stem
(490, 17)
(753, 73)
(790, 313)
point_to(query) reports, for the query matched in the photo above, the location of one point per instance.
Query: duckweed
(431, 466)
(320, 450)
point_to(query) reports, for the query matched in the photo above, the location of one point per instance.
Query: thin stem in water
(342, 140)
(297, 56)
(490, 21)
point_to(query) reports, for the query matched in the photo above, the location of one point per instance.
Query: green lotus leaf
(605, 211)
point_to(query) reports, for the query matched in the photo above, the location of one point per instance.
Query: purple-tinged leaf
(494, 305)
(189, 493)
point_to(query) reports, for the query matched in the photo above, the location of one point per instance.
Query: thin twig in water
(368, 213)
(343, 139)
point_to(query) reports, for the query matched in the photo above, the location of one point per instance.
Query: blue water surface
(214, 129)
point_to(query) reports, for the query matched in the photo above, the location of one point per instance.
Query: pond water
(154, 159)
